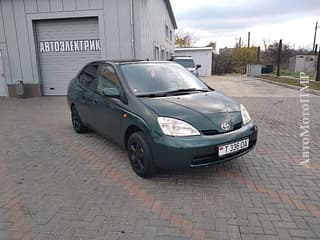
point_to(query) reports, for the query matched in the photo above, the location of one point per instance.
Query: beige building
(303, 63)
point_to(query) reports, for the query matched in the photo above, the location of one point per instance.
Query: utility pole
(279, 57)
(318, 69)
(316, 49)
(248, 39)
(315, 36)
(258, 55)
(240, 42)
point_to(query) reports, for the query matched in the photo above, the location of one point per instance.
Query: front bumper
(196, 151)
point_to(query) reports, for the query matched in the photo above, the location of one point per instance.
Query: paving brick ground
(55, 184)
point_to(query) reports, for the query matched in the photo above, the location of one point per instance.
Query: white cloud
(224, 21)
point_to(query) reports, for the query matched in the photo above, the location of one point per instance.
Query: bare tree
(213, 45)
(266, 43)
(272, 53)
(238, 42)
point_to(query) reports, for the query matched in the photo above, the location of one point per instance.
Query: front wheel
(140, 155)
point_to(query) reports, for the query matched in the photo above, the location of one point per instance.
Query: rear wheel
(77, 124)
(140, 155)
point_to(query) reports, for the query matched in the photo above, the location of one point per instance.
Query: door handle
(95, 101)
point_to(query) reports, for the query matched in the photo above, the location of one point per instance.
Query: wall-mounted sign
(70, 46)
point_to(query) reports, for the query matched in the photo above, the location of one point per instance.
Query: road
(55, 184)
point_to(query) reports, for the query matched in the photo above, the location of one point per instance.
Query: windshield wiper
(152, 95)
(182, 90)
(164, 94)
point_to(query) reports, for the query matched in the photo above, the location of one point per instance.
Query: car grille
(216, 132)
(210, 132)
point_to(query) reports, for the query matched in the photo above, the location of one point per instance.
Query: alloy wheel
(136, 154)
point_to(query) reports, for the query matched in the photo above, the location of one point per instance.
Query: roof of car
(128, 61)
(142, 61)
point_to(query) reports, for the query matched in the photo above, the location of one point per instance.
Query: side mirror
(111, 92)
(198, 66)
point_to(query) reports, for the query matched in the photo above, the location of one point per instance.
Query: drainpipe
(133, 47)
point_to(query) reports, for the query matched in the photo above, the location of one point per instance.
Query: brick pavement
(55, 184)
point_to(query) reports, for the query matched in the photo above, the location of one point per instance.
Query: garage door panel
(58, 65)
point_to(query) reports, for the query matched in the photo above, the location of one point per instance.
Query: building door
(3, 84)
(64, 46)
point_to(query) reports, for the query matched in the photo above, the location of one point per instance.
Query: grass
(294, 82)
(296, 74)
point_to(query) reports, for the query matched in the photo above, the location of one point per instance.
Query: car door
(86, 87)
(107, 112)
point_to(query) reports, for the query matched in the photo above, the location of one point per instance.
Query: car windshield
(161, 78)
(187, 63)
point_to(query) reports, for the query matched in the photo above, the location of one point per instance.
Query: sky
(224, 21)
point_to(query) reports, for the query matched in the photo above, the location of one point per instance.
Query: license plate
(233, 147)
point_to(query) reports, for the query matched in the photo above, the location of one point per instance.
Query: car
(163, 115)
(188, 63)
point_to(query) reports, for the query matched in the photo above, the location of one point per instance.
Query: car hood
(205, 111)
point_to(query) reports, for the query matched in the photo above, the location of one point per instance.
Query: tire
(140, 156)
(77, 124)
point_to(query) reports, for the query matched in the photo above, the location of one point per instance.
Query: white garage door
(64, 46)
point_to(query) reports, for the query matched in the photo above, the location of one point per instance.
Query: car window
(88, 76)
(107, 78)
(188, 63)
(159, 77)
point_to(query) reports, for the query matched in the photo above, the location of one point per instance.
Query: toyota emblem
(226, 126)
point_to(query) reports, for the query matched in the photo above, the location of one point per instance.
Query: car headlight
(177, 128)
(245, 115)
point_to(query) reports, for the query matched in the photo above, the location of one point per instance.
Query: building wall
(123, 35)
(4, 49)
(151, 29)
(303, 63)
(292, 64)
(203, 57)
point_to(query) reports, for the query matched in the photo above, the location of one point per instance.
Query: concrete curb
(312, 91)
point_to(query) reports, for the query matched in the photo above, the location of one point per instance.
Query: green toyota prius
(163, 115)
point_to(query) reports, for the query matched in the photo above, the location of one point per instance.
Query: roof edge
(193, 49)
(171, 14)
